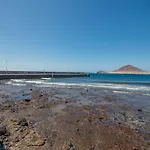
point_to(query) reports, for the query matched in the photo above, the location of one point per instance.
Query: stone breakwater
(41, 75)
(72, 119)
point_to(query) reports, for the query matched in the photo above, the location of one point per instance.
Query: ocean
(117, 82)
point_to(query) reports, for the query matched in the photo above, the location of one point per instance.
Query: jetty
(38, 74)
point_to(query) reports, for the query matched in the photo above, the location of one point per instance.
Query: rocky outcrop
(20, 135)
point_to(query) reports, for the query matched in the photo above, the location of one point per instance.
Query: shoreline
(70, 118)
(130, 73)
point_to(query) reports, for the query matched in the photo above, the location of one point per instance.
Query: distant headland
(128, 69)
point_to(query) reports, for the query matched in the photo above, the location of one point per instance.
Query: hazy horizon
(75, 35)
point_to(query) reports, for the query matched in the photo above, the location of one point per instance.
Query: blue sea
(116, 82)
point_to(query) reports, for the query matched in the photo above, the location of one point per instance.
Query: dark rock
(139, 110)
(115, 119)
(90, 120)
(27, 100)
(41, 95)
(23, 122)
(71, 147)
(124, 114)
(101, 118)
(92, 148)
(31, 89)
(2, 129)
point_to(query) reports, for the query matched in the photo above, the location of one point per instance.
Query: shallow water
(119, 83)
(2, 147)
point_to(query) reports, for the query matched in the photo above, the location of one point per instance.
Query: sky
(74, 35)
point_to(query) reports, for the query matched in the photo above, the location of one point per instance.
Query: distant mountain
(129, 69)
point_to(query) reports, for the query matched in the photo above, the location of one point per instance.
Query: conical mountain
(129, 68)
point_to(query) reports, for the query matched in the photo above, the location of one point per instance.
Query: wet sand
(73, 119)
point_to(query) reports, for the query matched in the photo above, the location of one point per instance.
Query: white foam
(17, 80)
(146, 94)
(102, 85)
(46, 78)
(122, 92)
(35, 82)
(115, 87)
(17, 84)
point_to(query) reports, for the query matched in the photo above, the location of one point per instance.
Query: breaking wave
(55, 83)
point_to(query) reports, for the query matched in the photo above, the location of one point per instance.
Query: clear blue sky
(74, 35)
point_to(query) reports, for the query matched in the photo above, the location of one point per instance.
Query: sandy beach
(71, 119)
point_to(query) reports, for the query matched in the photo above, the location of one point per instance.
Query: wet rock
(2, 129)
(140, 110)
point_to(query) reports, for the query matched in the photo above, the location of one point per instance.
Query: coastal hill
(129, 69)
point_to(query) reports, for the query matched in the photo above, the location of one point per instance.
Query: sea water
(117, 82)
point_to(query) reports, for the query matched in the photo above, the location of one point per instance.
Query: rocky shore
(72, 119)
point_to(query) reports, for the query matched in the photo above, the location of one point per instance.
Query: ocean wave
(15, 84)
(18, 80)
(35, 82)
(46, 78)
(105, 86)
(45, 83)
(146, 94)
(122, 92)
